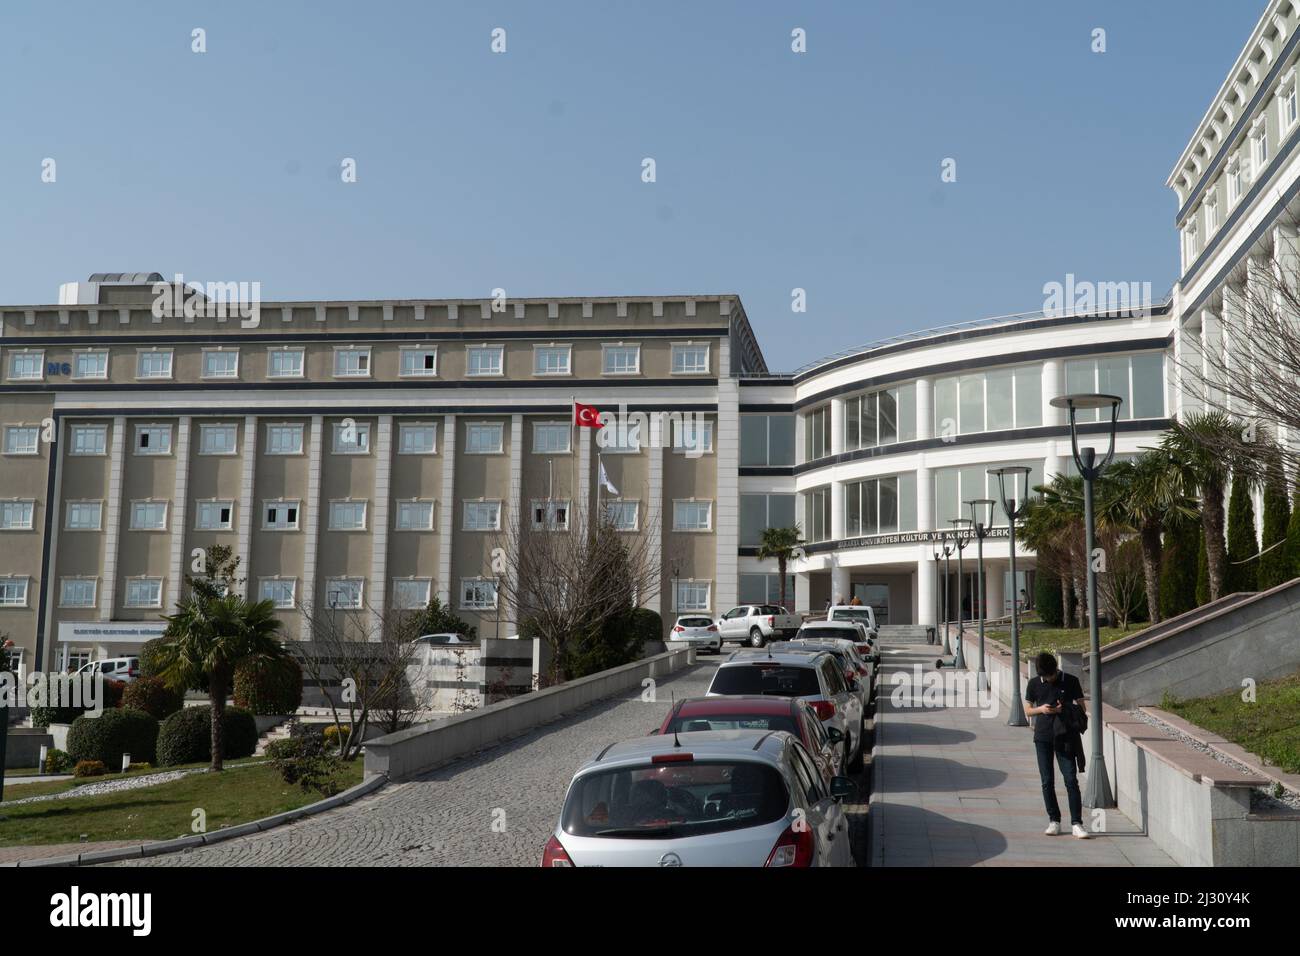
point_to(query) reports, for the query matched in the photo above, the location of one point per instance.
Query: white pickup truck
(860, 613)
(756, 624)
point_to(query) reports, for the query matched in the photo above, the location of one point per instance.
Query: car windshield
(695, 621)
(829, 634)
(853, 614)
(666, 801)
(778, 680)
(688, 724)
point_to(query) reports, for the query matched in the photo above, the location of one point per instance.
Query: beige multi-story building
(358, 455)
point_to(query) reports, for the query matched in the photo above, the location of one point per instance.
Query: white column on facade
(802, 592)
(307, 516)
(657, 515)
(1188, 371)
(993, 574)
(925, 589)
(840, 583)
(1286, 250)
(112, 520)
(726, 504)
(1053, 386)
(1212, 355)
(246, 503)
(378, 590)
(924, 408)
(837, 426)
(515, 506)
(446, 510)
(49, 580)
(179, 512)
(837, 530)
(924, 499)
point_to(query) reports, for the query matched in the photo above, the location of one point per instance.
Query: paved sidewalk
(953, 788)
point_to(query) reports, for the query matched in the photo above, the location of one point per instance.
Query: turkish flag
(586, 416)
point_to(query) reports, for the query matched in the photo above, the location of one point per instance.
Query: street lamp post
(961, 538)
(1098, 794)
(1014, 507)
(981, 517)
(947, 576)
(939, 552)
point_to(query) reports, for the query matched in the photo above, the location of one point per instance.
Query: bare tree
(567, 571)
(367, 666)
(1122, 580)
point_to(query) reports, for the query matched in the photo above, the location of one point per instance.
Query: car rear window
(829, 634)
(695, 621)
(777, 680)
(669, 801)
(853, 614)
(689, 724)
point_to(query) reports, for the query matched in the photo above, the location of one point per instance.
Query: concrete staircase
(902, 633)
(1209, 650)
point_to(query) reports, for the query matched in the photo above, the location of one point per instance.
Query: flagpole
(573, 454)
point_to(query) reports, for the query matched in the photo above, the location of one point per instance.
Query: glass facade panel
(887, 414)
(945, 407)
(1081, 378)
(971, 389)
(888, 505)
(999, 385)
(907, 412)
(1112, 379)
(1029, 396)
(1149, 385)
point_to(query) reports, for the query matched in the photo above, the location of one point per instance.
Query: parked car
(756, 624)
(125, 669)
(791, 714)
(813, 674)
(843, 629)
(716, 798)
(698, 629)
(857, 669)
(432, 640)
(855, 612)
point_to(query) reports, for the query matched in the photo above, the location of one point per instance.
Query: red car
(791, 714)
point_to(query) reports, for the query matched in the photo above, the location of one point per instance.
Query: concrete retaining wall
(23, 749)
(410, 752)
(1194, 807)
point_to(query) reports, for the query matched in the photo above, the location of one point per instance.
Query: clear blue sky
(523, 170)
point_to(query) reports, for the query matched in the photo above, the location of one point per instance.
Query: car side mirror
(842, 787)
(834, 734)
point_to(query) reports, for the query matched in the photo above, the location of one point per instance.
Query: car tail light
(556, 855)
(825, 709)
(863, 648)
(863, 671)
(712, 627)
(672, 758)
(133, 671)
(678, 629)
(771, 622)
(794, 848)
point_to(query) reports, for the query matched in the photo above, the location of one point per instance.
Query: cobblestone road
(446, 818)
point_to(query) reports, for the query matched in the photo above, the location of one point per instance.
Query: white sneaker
(1080, 832)
(1053, 828)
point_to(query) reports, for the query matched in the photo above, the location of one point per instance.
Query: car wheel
(856, 764)
(756, 638)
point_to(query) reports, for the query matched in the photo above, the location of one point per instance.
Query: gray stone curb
(181, 844)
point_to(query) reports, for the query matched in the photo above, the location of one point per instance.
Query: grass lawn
(1035, 638)
(1269, 727)
(161, 812)
(19, 789)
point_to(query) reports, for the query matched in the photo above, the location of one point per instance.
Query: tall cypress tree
(1202, 572)
(1274, 566)
(1243, 566)
(1292, 546)
(1178, 564)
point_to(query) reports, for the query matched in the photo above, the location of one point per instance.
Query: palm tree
(1201, 447)
(779, 543)
(208, 637)
(1139, 495)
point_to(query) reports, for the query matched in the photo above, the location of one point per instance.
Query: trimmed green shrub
(289, 748)
(152, 696)
(1047, 599)
(1292, 546)
(142, 765)
(333, 732)
(1178, 562)
(1202, 573)
(42, 717)
(186, 736)
(1242, 572)
(149, 663)
(113, 733)
(269, 687)
(89, 768)
(57, 761)
(1274, 568)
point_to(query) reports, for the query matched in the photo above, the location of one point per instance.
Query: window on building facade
(88, 440)
(620, 436)
(765, 589)
(148, 516)
(817, 514)
(83, 515)
(478, 594)
(78, 592)
(766, 440)
(552, 359)
(551, 438)
(484, 360)
(882, 417)
(692, 515)
(411, 593)
(997, 400)
(885, 505)
(693, 595)
(692, 434)
(690, 358)
(218, 439)
(352, 362)
(26, 366)
(550, 514)
(284, 363)
(347, 516)
(90, 364)
(279, 591)
(415, 515)
(953, 487)
(1258, 149)
(1236, 183)
(817, 434)
(22, 439)
(221, 363)
(345, 593)
(1211, 215)
(351, 437)
(621, 359)
(484, 438)
(482, 516)
(143, 592)
(285, 439)
(759, 511)
(213, 515)
(1139, 380)
(17, 514)
(419, 361)
(13, 591)
(153, 363)
(622, 515)
(417, 438)
(153, 439)
(280, 515)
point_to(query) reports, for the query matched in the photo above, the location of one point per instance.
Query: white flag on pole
(605, 482)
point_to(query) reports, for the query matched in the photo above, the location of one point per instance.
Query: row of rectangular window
(481, 361)
(146, 592)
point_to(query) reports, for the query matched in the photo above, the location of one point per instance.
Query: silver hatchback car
(710, 798)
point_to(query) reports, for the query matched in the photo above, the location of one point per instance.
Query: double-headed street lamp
(981, 518)
(1014, 507)
(940, 551)
(960, 537)
(1098, 794)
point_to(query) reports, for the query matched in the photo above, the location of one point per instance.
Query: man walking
(1049, 697)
